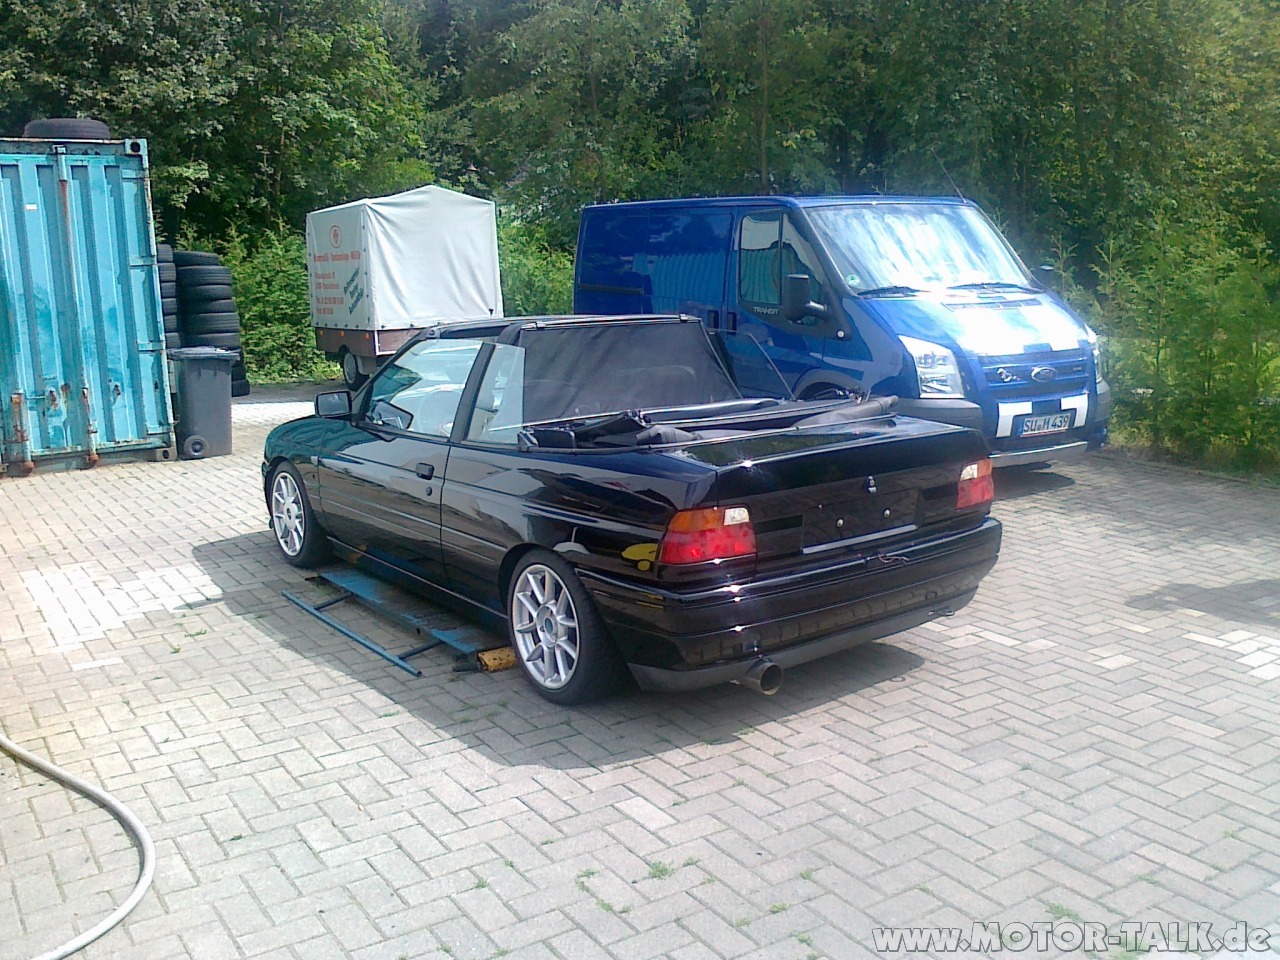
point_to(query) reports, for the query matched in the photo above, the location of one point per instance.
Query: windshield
(903, 247)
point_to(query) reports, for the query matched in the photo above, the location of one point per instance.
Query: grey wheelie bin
(202, 383)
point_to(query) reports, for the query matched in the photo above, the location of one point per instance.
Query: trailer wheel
(351, 374)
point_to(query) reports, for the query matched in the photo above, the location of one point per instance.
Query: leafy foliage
(536, 278)
(1135, 142)
(1198, 338)
(269, 274)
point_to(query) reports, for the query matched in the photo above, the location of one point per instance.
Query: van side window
(612, 269)
(758, 238)
(687, 255)
(770, 248)
(798, 257)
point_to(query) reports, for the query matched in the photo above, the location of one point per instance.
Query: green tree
(320, 114)
(766, 60)
(158, 69)
(573, 116)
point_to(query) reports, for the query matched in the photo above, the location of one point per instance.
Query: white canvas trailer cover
(404, 262)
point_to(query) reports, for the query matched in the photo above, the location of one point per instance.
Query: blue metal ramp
(399, 607)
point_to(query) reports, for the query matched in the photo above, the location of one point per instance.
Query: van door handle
(425, 470)
(713, 318)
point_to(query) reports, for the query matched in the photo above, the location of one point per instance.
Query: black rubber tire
(168, 273)
(199, 324)
(351, 374)
(315, 545)
(202, 292)
(171, 326)
(224, 341)
(200, 274)
(173, 339)
(196, 258)
(599, 668)
(164, 254)
(240, 388)
(169, 289)
(194, 307)
(67, 128)
(169, 304)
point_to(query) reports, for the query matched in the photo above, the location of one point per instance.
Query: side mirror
(334, 405)
(796, 304)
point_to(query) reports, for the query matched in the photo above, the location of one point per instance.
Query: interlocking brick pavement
(1095, 736)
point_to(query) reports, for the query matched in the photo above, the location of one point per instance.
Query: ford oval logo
(1044, 374)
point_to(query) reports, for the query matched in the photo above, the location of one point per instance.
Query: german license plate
(1050, 423)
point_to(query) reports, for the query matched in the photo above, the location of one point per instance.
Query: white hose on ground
(141, 839)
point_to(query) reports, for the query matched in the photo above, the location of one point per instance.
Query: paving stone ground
(1096, 737)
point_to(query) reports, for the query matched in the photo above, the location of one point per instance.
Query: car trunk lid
(813, 494)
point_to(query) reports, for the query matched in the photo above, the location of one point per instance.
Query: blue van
(919, 297)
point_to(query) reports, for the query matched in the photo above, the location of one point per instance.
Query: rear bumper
(685, 640)
(695, 678)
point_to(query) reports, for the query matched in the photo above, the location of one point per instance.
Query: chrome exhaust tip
(765, 677)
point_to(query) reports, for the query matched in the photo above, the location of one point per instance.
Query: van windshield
(904, 247)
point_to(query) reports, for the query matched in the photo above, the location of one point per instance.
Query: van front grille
(1038, 374)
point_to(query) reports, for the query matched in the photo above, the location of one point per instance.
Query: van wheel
(351, 374)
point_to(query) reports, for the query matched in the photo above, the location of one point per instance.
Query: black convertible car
(635, 493)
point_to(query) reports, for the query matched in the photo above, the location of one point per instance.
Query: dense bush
(270, 276)
(1188, 304)
(536, 279)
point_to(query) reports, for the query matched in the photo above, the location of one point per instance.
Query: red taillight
(715, 533)
(977, 486)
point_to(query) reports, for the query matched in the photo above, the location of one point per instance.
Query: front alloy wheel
(300, 539)
(560, 641)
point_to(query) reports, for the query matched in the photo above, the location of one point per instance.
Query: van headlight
(936, 369)
(1096, 348)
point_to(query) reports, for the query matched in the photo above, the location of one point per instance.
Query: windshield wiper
(889, 291)
(993, 285)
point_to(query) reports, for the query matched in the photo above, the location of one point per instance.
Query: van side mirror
(333, 405)
(796, 304)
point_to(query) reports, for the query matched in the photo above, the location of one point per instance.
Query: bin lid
(202, 353)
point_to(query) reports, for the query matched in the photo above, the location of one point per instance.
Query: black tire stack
(168, 295)
(207, 309)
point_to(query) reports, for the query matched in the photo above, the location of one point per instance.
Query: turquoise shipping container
(83, 372)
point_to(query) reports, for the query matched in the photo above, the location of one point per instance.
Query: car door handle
(425, 470)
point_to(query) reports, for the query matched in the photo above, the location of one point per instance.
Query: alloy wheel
(546, 626)
(288, 520)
